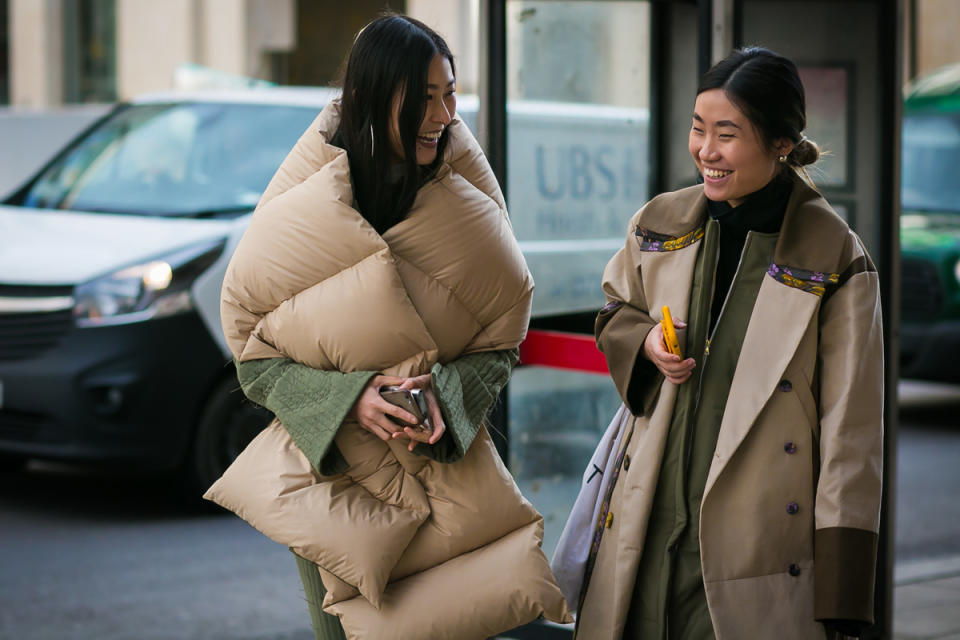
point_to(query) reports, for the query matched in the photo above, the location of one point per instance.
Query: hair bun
(806, 152)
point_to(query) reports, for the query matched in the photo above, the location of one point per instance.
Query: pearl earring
(783, 158)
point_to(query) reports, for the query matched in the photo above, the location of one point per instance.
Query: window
(578, 83)
(90, 51)
(931, 174)
(173, 159)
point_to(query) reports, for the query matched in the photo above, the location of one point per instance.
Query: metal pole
(493, 137)
(890, 82)
(704, 36)
(724, 30)
(659, 96)
(493, 86)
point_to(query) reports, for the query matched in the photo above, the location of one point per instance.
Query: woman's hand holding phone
(371, 410)
(674, 368)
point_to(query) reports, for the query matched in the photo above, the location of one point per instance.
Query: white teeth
(431, 136)
(716, 173)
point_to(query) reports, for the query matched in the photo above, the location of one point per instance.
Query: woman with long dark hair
(742, 479)
(383, 108)
(380, 264)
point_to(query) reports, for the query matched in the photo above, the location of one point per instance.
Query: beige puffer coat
(406, 547)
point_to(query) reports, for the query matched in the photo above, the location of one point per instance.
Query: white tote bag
(570, 557)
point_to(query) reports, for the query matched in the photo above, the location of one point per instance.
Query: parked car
(112, 257)
(930, 228)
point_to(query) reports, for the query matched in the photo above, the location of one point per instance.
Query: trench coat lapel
(780, 319)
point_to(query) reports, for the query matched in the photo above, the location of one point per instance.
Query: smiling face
(441, 104)
(728, 150)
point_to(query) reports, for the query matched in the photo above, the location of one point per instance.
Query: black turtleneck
(761, 211)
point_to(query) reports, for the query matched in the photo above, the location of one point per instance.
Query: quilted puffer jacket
(406, 547)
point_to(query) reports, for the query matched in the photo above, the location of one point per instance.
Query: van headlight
(152, 289)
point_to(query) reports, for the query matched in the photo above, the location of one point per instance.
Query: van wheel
(227, 425)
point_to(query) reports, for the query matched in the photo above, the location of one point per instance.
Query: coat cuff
(845, 561)
(621, 331)
(310, 404)
(466, 389)
(645, 382)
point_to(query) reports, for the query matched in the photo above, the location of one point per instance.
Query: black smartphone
(410, 400)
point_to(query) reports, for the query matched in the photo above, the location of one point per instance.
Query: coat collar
(812, 239)
(812, 244)
(674, 214)
(813, 236)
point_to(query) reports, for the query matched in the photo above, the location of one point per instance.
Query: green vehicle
(930, 228)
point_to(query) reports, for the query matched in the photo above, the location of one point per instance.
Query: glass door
(578, 90)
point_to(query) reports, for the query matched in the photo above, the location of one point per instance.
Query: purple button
(785, 385)
(792, 508)
(789, 447)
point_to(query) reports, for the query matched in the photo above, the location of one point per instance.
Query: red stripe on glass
(562, 350)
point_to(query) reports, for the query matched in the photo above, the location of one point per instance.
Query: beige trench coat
(790, 513)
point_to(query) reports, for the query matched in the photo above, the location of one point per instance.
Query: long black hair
(390, 56)
(766, 88)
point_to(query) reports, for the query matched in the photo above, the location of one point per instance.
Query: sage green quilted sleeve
(466, 389)
(311, 404)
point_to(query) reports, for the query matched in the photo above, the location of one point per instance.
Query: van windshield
(931, 163)
(172, 160)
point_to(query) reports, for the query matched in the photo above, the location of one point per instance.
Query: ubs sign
(576, 174)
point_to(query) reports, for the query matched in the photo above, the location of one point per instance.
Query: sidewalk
(926, 594)
(926, 600)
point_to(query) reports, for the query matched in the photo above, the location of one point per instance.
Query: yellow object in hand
(670, 333)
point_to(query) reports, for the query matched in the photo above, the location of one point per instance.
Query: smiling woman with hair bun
(741, 489)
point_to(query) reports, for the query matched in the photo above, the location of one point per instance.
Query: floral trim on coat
(653, 241)
(813, 282)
